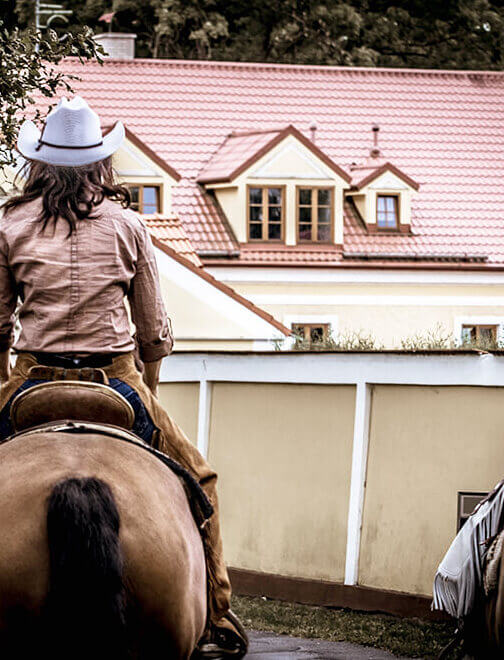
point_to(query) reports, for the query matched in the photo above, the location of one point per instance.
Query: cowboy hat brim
(28, 141)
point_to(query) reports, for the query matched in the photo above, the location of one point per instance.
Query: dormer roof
(375, 165)
(372, 168)
(240, 150)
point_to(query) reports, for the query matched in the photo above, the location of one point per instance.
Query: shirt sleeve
(153, 327)
(8, 298)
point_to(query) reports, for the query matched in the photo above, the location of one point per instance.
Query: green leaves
(28, 67)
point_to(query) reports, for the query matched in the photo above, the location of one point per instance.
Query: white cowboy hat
(71, 136)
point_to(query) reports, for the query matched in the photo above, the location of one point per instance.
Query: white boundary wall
(359, 369)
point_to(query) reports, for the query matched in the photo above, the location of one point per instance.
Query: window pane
(135, 196)
(255, 231)
(305, 232)
(274, 195)
(305, 214)
(298, 329)
(316, 334)
(324, 214)
(381, 203)
(150, 199)
(324, 232)
(469, 333)
(390, 204)
(274, 231)
(324, 197)
(275, 213)
(382, 219)
(487, 334)
(305, 196)
(255, 213)
(255, 195)
(391, 221)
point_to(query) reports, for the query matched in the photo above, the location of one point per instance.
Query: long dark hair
(70, 193)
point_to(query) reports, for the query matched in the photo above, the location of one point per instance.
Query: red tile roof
(445, 129)
(169, 231)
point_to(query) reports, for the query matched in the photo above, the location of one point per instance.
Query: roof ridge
(258, 131)
(302, 67)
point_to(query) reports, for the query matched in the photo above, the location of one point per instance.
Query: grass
(413, 638)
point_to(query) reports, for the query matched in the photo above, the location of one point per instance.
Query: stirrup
(222, 642)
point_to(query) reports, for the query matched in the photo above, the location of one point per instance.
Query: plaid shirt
(74, 288)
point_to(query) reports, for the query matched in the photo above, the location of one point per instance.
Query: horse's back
(164, 567)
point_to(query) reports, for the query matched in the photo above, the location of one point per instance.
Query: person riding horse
(72, 251)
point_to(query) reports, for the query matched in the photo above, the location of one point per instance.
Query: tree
(28, 67)
(454, 34)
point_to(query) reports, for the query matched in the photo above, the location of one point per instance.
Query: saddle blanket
(459, 577)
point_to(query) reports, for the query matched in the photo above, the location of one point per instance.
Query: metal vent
(467, 502)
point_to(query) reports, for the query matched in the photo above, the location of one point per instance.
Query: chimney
(119, 45)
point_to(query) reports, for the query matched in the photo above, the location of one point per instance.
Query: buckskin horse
(100, 554)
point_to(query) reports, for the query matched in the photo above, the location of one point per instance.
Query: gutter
(218, 253)
(398, 256)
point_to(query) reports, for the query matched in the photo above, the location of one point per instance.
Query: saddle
(76, 405)
(87, 399)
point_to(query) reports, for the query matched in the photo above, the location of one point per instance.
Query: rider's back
(73, 287)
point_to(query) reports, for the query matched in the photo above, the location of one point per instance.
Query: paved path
(268, 646)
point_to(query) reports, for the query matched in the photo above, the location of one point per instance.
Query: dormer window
(382, 193)
(314, 214)
(265, 213)
(387, 211)
(145, 199)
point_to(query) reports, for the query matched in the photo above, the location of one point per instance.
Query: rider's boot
(225, 636)
(225, 639)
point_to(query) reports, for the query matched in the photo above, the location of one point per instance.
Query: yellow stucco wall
(283, 455)
(426, 445)
(180, 400)
(193, 318)
(388, 322)
(136, 168)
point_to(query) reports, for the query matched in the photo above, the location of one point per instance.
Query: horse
(100, 555)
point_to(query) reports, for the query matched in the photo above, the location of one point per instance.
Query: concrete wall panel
(283, 454)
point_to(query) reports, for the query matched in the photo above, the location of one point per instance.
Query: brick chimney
(118, 45)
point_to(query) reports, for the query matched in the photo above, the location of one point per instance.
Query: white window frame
(290, 319)
(460, 321)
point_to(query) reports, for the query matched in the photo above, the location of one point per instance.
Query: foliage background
(466, 34)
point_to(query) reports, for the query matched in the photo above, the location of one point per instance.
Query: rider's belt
(91, 374)
(69, 361)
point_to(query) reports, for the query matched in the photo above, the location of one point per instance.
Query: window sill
(402, 229)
